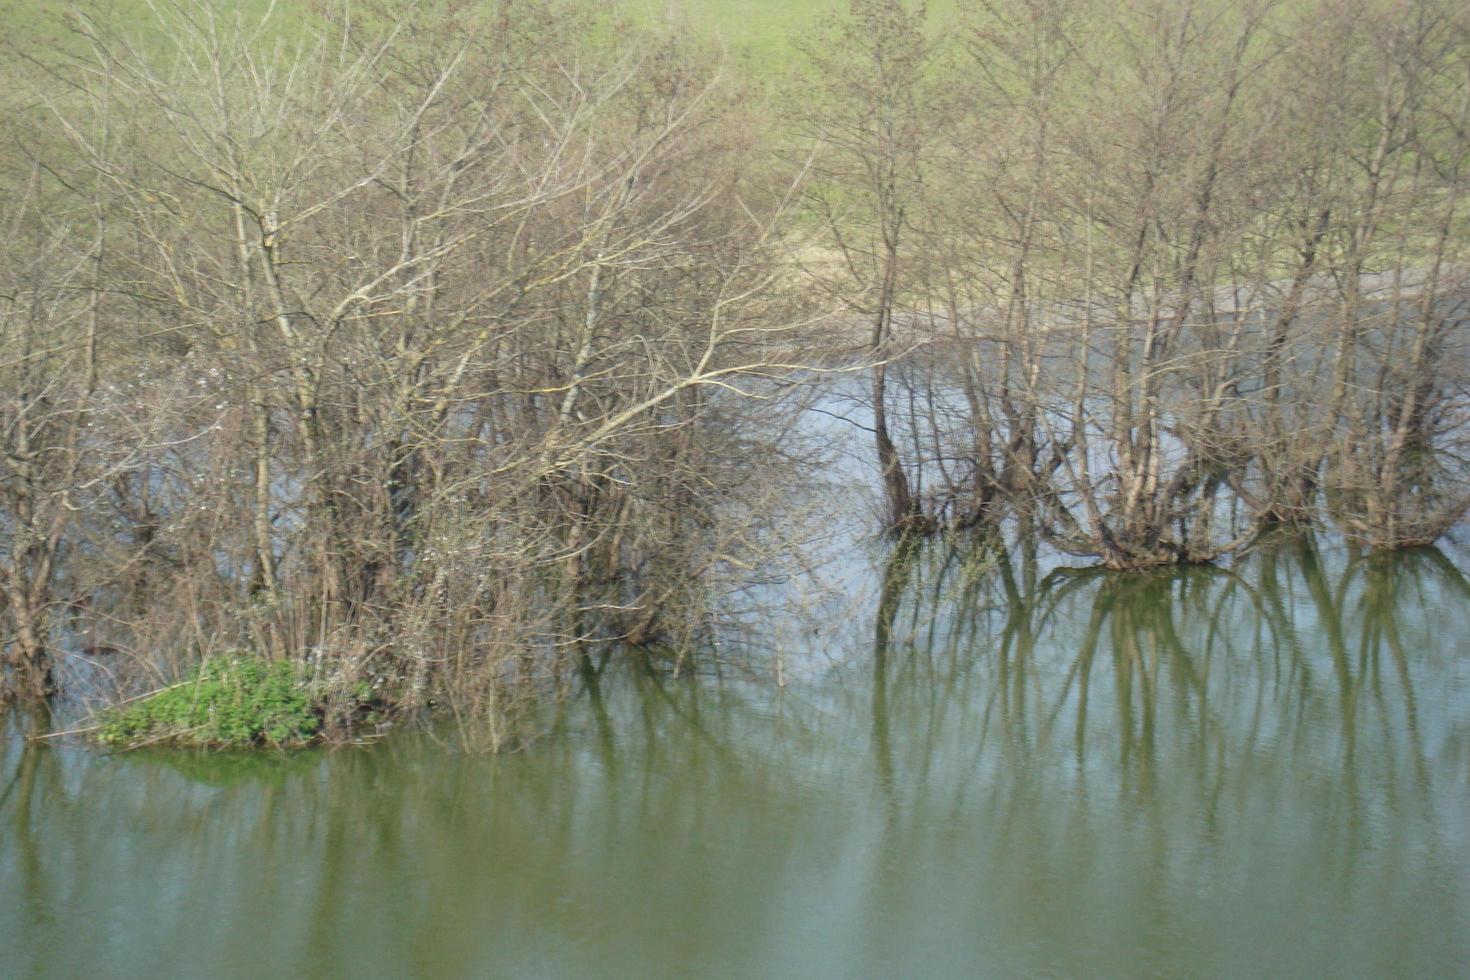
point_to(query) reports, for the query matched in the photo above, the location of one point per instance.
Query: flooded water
(1255, 771)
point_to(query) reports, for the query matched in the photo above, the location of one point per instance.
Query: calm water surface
(1255, 771)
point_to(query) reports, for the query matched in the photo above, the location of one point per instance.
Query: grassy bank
(763, 35)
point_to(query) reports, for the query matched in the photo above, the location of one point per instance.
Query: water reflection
(1321, 652)
(1256, 770)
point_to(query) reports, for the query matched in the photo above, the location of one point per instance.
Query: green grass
(762, 32)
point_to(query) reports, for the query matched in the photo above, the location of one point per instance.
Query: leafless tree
(449, 335)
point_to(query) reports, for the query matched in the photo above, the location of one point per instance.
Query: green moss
(230, 701)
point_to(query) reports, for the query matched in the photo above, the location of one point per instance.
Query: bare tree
(873, 116)
(456, 330)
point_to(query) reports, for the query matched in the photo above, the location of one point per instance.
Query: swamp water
(1262, 770)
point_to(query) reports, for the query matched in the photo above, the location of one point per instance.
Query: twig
(92, 728)
(73, 731)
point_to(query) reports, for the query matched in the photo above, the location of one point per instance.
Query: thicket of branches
(434, 346)
(1184, 267)
(411, 344)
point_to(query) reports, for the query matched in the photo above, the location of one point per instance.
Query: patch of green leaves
(235, 700)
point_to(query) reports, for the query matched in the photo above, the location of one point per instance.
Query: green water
(1260, 771)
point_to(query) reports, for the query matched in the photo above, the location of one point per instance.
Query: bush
(229, 701)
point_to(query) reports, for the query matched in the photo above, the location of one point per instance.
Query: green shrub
(234, 700)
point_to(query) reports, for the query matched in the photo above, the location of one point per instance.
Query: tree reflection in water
(1256, 769)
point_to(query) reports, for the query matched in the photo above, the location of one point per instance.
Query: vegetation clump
(495, 360)
(230, 701)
